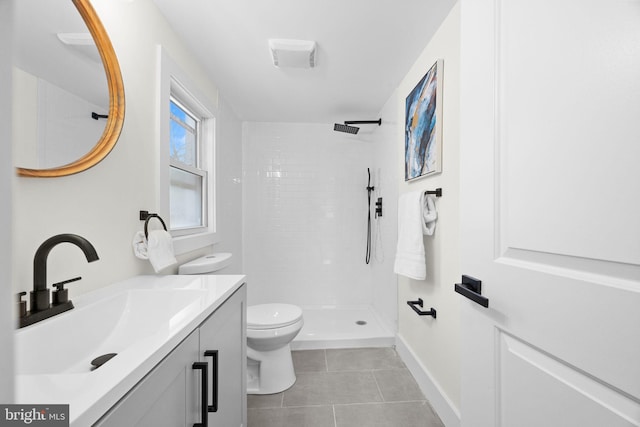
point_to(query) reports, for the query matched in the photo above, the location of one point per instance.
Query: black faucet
(41, 307)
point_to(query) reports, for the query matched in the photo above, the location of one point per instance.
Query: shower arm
(363, 122)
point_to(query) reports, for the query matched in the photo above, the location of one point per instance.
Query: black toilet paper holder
(420, 312)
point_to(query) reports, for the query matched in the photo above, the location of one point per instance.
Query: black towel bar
(437, 192)
(413, 304)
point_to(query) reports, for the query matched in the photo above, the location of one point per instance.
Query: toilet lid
(270, 316)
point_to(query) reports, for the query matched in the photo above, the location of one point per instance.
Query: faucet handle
(22, 305)
(61, 295)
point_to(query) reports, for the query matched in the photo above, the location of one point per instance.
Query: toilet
(270, 330)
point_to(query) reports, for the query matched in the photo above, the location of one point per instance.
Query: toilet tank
(207, 264)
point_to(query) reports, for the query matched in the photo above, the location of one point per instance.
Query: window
(188, 174)
(186, 125)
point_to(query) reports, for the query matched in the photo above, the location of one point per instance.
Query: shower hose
(369, 190)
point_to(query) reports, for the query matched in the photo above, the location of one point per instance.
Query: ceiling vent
(293, 53)
(81, 42)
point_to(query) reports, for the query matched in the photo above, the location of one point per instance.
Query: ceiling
(365, 48)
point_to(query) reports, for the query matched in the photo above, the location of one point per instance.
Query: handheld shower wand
(370, 188)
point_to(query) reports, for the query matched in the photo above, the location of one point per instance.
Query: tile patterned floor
(345, 388)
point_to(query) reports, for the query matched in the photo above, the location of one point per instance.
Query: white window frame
(202, 167)
(174, 83)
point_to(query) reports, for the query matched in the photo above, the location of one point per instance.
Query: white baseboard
(446, 410)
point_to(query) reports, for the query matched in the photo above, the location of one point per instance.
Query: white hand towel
(429, 215)
(160, 250)
(140, 245)
(416, 216)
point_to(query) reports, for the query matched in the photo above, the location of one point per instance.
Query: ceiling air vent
(293, 53)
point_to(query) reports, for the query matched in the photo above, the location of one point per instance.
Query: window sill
(192, 242)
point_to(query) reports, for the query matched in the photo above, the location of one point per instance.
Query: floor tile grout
(378, 385)
(378, 403)
(317, 404)
(335, 420)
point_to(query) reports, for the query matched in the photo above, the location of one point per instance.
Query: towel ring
(146, 224)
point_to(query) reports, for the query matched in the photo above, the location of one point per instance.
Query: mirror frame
(115, 120)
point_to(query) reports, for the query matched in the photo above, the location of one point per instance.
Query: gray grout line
(381, 403)
(378, 386)
(335, 420)
(335, 405)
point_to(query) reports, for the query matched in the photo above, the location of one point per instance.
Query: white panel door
(551, 212)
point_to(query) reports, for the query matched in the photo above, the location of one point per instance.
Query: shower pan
(342, 327)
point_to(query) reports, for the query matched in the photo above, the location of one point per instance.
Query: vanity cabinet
(172, 393)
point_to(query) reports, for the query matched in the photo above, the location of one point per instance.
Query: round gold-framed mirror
(115, 116)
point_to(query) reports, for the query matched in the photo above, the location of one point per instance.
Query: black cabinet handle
(202, 366)
(214, 379)
(472, 289)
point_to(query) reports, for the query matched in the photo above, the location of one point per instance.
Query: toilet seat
(272, 316)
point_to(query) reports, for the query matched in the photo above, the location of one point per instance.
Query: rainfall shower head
(345, 128)
(352, 129)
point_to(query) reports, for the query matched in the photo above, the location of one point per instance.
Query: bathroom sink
(141, 320)
(113, 325)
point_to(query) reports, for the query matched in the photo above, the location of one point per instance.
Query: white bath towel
(416, 217)
(160, 250)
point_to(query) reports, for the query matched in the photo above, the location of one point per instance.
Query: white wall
(59, 128)
(433, 344)
(6, 171)
(305, 214)
(102, 203)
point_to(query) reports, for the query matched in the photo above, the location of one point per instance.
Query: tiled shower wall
(305, 215)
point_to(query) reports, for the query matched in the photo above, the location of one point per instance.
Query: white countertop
(92, 393)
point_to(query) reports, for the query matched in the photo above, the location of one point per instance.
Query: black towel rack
(420, 303)
(437, 192)
(146, 216)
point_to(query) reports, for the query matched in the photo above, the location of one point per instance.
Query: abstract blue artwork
(423, 124)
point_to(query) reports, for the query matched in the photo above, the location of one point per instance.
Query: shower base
(342, 327)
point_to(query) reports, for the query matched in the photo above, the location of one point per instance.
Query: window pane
(185, 199)
(182, 115)
(182, 145)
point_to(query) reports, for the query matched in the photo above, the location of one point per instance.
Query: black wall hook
(420, 303)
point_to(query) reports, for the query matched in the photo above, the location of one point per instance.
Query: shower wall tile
(305, 208)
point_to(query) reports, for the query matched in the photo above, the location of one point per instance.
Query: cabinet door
(225, 334)
(167, 396)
